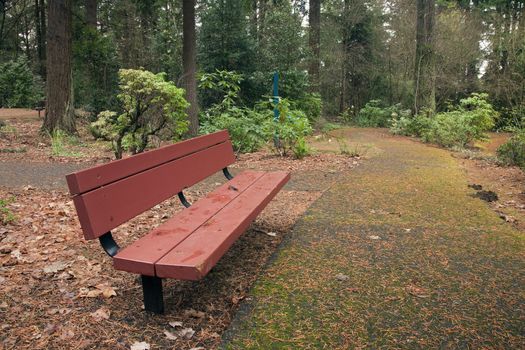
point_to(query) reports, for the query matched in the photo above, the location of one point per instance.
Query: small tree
(150, 105)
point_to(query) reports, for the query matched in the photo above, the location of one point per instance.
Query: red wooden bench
(189, 244)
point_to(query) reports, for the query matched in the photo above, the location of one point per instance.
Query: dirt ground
(20, 114)
(60, 291)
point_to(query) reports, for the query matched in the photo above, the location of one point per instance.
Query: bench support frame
(108, 244)
(153, 297)
(227, 173)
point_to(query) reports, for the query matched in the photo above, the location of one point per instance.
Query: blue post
(275, 95)
(276, 102)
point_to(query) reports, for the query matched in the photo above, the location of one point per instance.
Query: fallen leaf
(186, 333)
(374, 237)
(16, 254)
(67, 334)
(236, 299)
(341, 277)
(106, 291)
(93, 293)
(175, 324)
(140, 346)
(101, 314)
(170, 335)
(417, 291)
(55, 267)
(194, 313)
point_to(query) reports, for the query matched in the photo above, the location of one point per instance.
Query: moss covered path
(397, 254)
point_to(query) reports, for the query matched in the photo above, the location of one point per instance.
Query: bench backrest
(108, 195)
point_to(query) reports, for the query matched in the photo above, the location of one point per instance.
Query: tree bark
(345, 51)
(314, 20)
(425, 70)
(91, 13)
(59, 87)
(189, 65)
(40, 21)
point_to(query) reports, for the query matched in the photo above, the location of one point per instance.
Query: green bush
(250, 128)
(512, 119)
(18, 86)
(150, 105)
(289, 131)
(375, 115)
(311, 104)
(513, 151)
(469, 121)
(244, 125)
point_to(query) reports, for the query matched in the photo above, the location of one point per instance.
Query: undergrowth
(6, 215)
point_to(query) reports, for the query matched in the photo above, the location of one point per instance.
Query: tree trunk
(189, 65)
(345, 51)
(40, 19)
(314, 20)
(425, 70)
(59, 87)
(91, 13)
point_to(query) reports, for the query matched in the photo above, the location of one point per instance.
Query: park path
(397, 254)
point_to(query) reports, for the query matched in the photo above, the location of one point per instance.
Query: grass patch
(13, 150)
(6, 215)
(60, 142)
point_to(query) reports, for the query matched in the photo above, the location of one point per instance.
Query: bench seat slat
(140, 256)
(105, 208)
(194, 257)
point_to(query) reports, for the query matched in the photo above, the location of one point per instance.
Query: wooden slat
(140, 256)
(107, 207)
(194, 257)
(101, 175)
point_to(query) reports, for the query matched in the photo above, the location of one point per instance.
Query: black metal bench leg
(153, 298)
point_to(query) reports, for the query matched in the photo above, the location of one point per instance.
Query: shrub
(150, 106)
(512, 119)
(244, 125)
(250, 128)
(513, 151)
(311, 104)
(449, 129)
(375, 115)
(469, 121)
(18, 86)
(289, 131)
(301, 148)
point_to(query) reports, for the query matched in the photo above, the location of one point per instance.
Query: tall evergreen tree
(189, 64)
(59, 102)
(224, 39)
(314, 19)
(425, 63)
